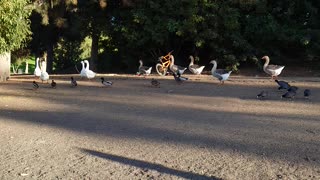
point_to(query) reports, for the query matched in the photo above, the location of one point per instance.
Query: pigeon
(282, 84)
(73, 82)
(155, 83)
(307, 93)
(106, 83)
(262, 94)
(53, 84)
(35, 85)
(293, 89)
(289, 94)
(178, 78)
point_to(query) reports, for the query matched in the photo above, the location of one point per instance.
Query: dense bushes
(234, 32)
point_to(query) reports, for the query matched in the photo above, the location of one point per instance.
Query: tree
(15, 25)
(154, 27)
(95, 20)
(49, 23)
(14, 30)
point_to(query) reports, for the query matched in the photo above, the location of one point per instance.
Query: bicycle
(164, 64)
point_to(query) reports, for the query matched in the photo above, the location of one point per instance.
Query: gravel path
(196, 130)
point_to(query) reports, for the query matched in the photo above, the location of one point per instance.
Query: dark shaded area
(147, 165)
(236, 33)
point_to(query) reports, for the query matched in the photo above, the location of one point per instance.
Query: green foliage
(66, 54)
(15, 25)
(21, 64)
(85, 47)
(234, 32)
(19, 59)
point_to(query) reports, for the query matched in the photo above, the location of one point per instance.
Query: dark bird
(178, 78)
(73, 82)
(282, 84)
(293, 89)
(289, 94)
(155, 83)
(307, 93)
(53, 84)
(106, 83)
(262, 94)
(35, 85)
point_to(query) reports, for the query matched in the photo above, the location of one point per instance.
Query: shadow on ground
(146, 165)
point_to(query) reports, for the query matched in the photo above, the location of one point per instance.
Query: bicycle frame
(163, 66)
(165, 60)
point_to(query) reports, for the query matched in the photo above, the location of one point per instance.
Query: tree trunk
(26, 71)
(94, 51)
(49, 58)
(5, 61)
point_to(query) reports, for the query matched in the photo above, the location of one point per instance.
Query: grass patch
(21, 64)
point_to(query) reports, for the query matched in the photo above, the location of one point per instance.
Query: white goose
(273, 70)
(144, 69)
(194, 68)
(37, 71)
(89, 74)
(221, 74)
(83, 70)
(175, 68)
(44, 76)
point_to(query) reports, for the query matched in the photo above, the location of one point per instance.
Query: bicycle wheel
(160, 70)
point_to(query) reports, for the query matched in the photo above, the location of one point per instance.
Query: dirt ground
(196, 130)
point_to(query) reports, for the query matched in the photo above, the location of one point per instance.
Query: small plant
(16, 66)
(232, 62)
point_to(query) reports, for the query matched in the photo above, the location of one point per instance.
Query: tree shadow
(246, 133)
(147, 165)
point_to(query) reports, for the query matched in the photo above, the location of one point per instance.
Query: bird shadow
(147, 165)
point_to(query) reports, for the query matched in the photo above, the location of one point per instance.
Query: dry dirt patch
(197, 130)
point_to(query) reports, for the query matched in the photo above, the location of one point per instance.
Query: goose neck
(87, 65)
(37, 63)
(191, 60)
(82, 65)
(266, 63)
(172, 59)
(214, 67)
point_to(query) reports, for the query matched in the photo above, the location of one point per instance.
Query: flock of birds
(290, 93)
(275, 71)
(221, 74)
(85, 73)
